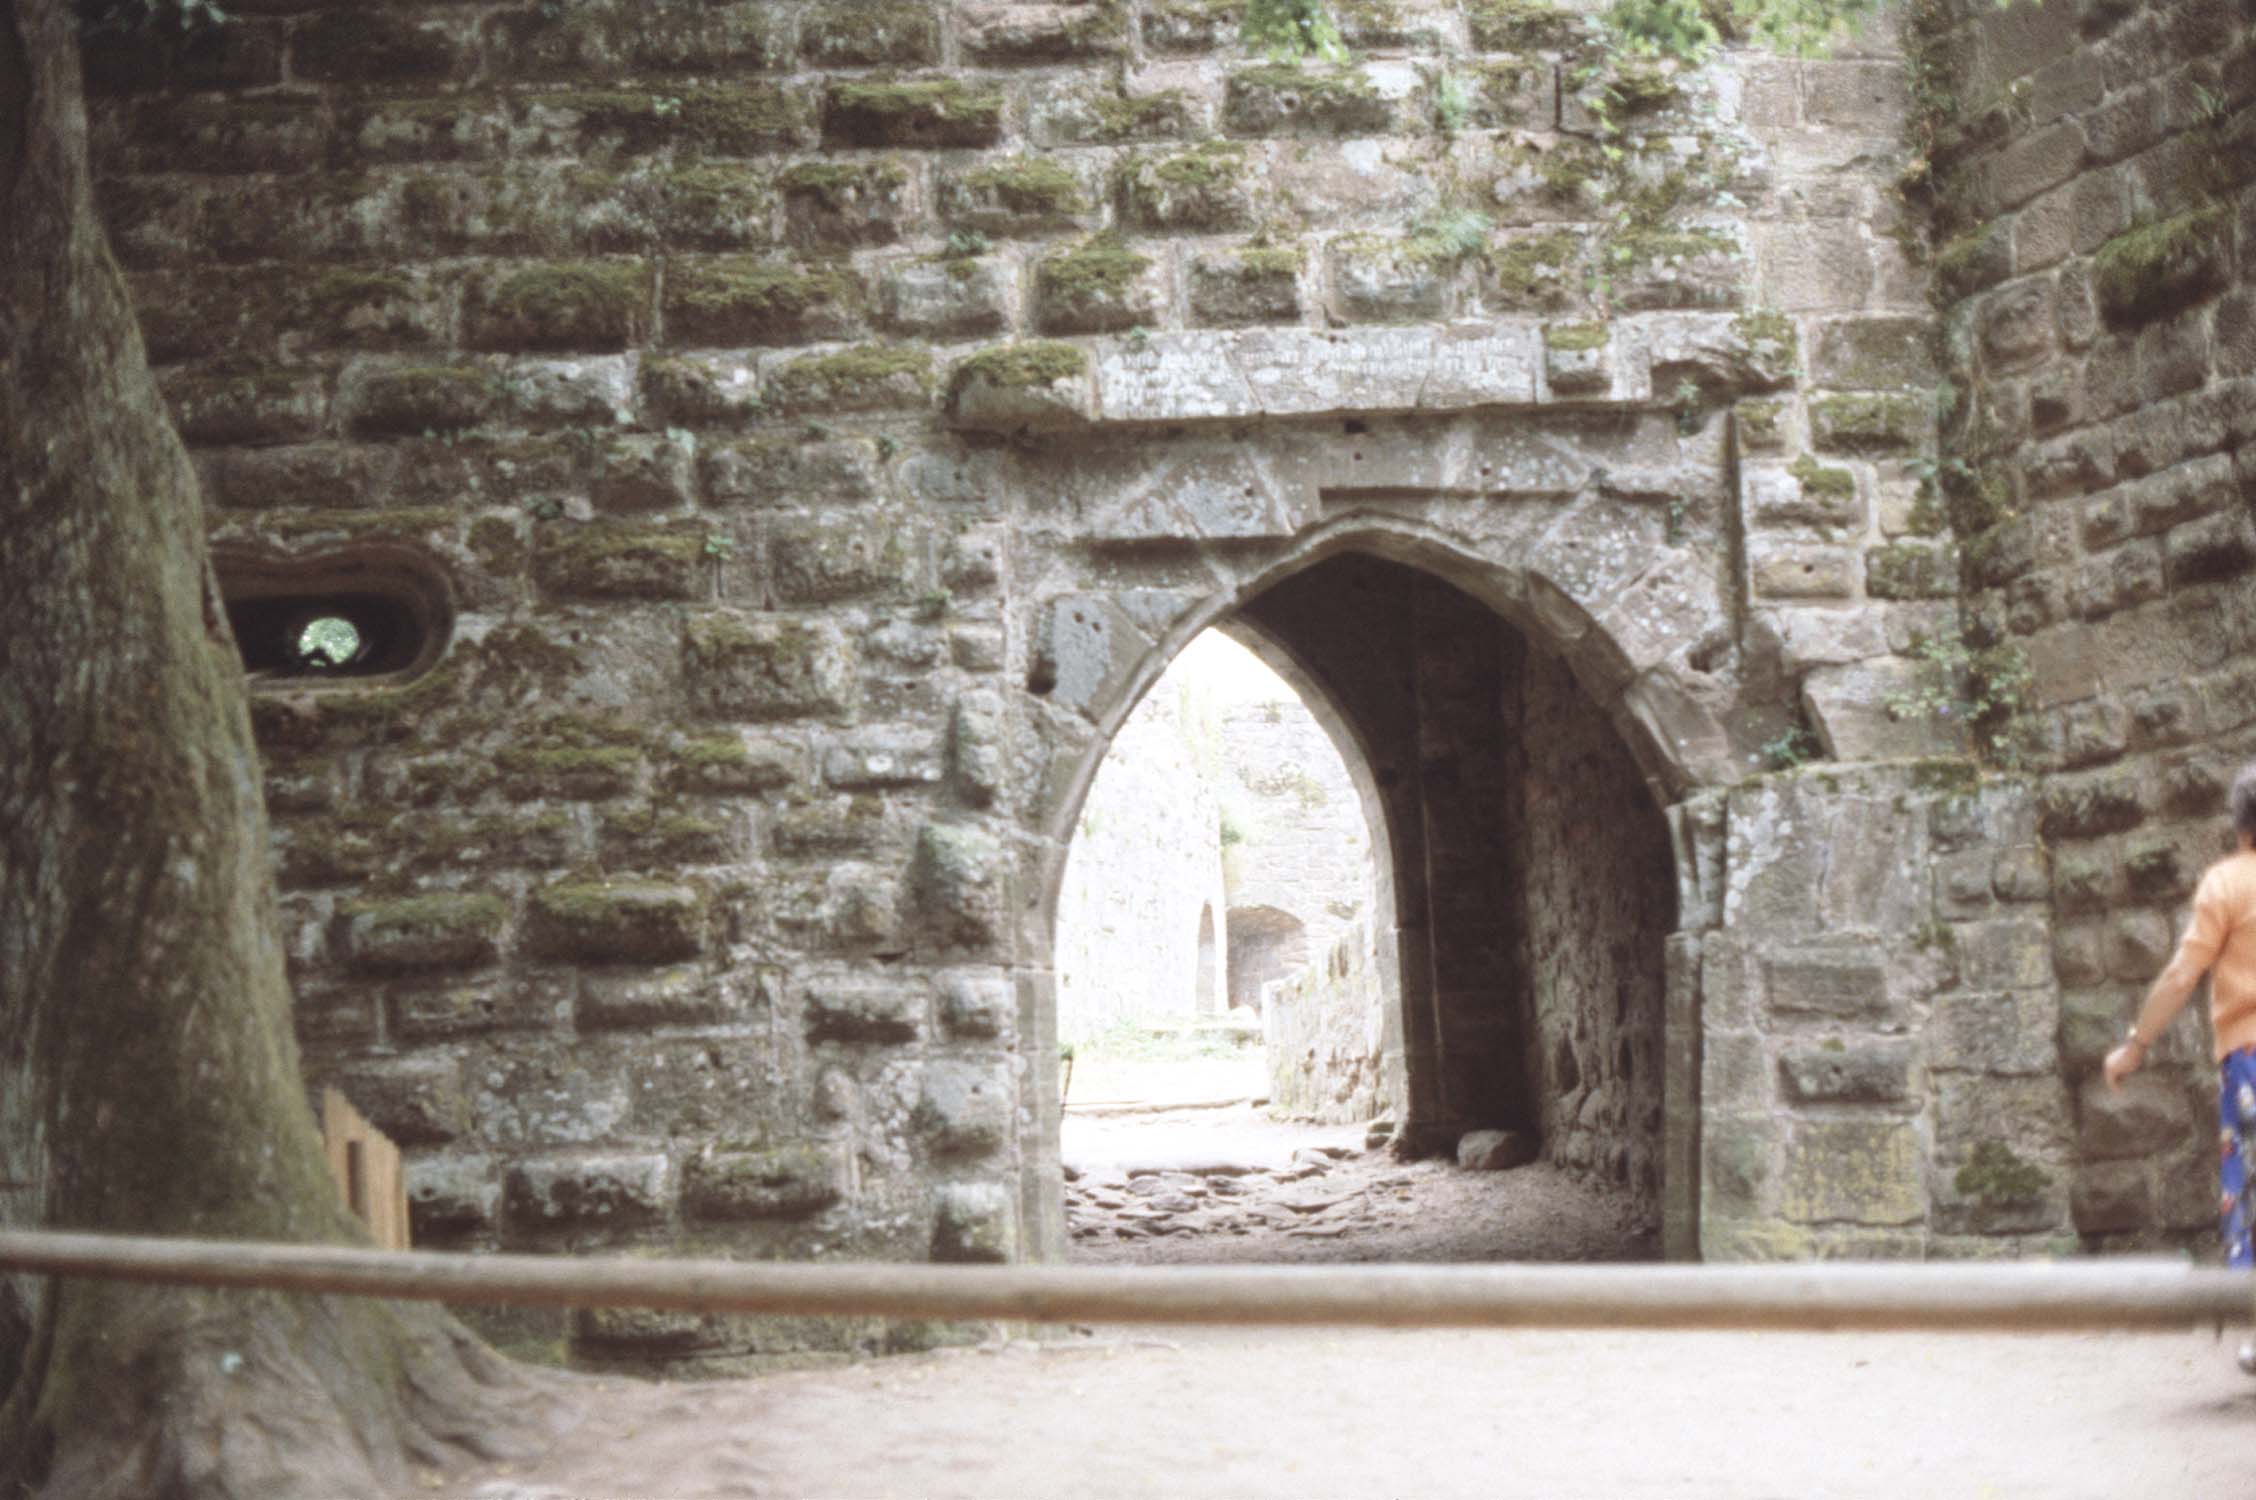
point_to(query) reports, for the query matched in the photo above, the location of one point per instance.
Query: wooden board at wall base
(367, 1167)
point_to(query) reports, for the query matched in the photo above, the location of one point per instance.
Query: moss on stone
(738, 120)
(1523, 269)
(1996, 1174)
(1134, 117)
(1770, 337)
(1821, 480)
(1523, 26)
(2161, 267)
(1571, 338)
(1868, 423)
(1762, 425)
(1279, 96)
(1034, 363)
(1030, 187)
(740, 300)
(607, 560)
(1202, 188)
(408, 399)
(334, 295)
(860, 379)
(913, 112)
(499, 548)
(1268, 260)
(1090, 286)
(392, 521)
(1639, 87)
(583, 304)
(1650, 246)
(1974, 260)
(837, 185)
(665, 837)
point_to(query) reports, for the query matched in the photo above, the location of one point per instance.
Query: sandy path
(1201, 1415)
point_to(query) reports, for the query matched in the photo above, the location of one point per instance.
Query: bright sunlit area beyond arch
(1215, 926)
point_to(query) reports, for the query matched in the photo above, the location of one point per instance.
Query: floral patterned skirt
(2236, 1151)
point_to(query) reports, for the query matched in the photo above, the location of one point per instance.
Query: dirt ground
(1368, 1415)
(1226, 1414)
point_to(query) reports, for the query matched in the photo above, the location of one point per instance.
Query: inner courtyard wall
(824, 420)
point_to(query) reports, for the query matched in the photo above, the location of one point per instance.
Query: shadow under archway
(1530, 881)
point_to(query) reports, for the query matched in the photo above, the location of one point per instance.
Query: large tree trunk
(149, 1080)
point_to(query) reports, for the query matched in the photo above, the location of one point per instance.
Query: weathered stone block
(616, 560)
(1910, 570)
(1578, 358)
(1738, 1167)
(1660, 269)
(2158, 268)
(954, 298)
(1084, 648)
(637, 1002)
(2150, 1115)
(822, 562)
(1243, 287)
(1787, 570)
(2111, 1197)
(883, 759)
(964, 1108)
(588, 1192)
(978, 1006)
(1864, 1072)
(959, 880)
(395, 400)
(1869, 423)
(843, 1012)
(872, 33)
(772, 471)
(536, 1002)
(1874, 354)
(1020, 32)
(450, 1195)
(1379, 279)
(1857, 1171)
(618, 921)
(440, 930)
(280, 407)
(1291, 100)
(359, 45)
(1034, 386)
(1100, 286)
(417, 1101)
(1207, 189)
(976, 764)
(735, 300)
(1871, 711)
(700, 390)
(1021, 195)
(974, 1222)
(743, 667)
(2010, 1033)
(915, 113)
(1850, 985)
(873, 377)
(594, 305)
(833, 204)
(779, 1182)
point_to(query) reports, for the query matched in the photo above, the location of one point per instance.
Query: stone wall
(821, 421)
(1306, 847)
(1600, 899)
(1144, 872)
(2092, 169)
(1324, 1031)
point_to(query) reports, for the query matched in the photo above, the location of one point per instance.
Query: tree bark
(149, 1078)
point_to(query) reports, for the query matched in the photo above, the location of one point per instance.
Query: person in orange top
(2221, 942)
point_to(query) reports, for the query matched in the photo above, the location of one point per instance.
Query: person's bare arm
(2164, 999)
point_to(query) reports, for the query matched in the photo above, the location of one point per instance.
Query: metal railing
(2054, 1296)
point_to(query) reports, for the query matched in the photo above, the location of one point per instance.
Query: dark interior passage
(1532, 873)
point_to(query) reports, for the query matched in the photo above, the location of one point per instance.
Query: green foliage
(1453, 103)
(328, 642)
(1988, 690)
(1129, 1041)
(1287, 29)
(1687, 29)
(1796, 747)
(1449, 234)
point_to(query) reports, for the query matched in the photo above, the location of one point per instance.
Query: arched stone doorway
(1529, 882)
